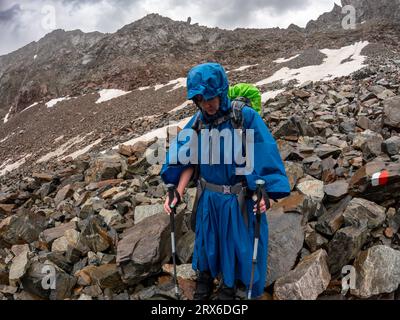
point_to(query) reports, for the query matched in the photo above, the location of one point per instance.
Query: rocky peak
(366, 10)
(372, 10)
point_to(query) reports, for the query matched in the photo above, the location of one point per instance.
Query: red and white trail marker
(380, 178)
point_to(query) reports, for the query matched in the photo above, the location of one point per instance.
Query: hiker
(225, 211)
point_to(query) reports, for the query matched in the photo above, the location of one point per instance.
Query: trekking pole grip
(171, 193)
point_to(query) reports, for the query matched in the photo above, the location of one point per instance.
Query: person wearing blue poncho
(224, 220)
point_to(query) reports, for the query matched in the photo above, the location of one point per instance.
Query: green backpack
(248, 91)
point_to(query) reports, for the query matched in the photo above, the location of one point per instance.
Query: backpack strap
(237, 106)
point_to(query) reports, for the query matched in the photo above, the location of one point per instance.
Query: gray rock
(19, 266)
(145, 211)
(185, 247)
(326, 150)
(337, 190)
(361, 182)
(315, 241)
(162, 292)
(361, 212)
(378, 271)
(294, 172)
(295, 126)
(286, 237)
(105, 276)
(91, 206)
(297, 202)
(145, 247)
(392, 112)
(333, 219)
(386, 94)
(312, 188)
(347, 127)
(49, 235)
(392, 145)
(345, 246)
(105, 167)
(38, 281)
(94, 236)
(111, 217)
(64, 193)
(313, 166)
(23, 227)
(369, 142)
(184, 271)
(307, 281)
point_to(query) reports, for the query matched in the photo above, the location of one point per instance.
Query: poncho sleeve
(172, 168)
(268, 164)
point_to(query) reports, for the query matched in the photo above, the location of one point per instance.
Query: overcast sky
(23, 21)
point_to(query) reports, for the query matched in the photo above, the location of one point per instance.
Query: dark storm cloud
(9, 14)
(231, 13)
(21, 20)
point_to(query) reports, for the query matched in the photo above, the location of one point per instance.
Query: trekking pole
(259, 192)
(171, 196)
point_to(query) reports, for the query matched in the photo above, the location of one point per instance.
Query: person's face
(209, 106)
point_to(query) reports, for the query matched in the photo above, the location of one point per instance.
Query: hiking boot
(226, 293)
(204, 286)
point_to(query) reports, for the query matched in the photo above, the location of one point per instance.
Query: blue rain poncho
(224, 244)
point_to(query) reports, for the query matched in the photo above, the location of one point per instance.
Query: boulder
(145, 247)
(392, 112)
(64, 193)
(145, 211)
(49, 235)
(105, 276)
(294, 172)
(94, 236)
(286, 237)
(39, 280)
(391, 146)
(23, 227)
(332, 220)
(312, 188)
(111, 217)
(307, 281)
(185, 247)
(361, 212)
(105, 167)
(344, 247)
(376, 181)
(337, 190)
(377, 270)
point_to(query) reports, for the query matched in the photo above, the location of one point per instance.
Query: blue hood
(209, 80)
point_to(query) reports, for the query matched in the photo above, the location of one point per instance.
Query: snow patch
(6, 167)
(6, 118)
(179, 83)
(160, 133)
(83, 150)
(331, 68)
(31, 106)
(182, 106)
(59, 138)
(8, 137)
(34, 57)
(245, 67)
(108, 94)
(53, 102)
(270, 95)
(283, 60)
(63, 148)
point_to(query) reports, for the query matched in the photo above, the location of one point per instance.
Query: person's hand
(263, 207)
(167, 208)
